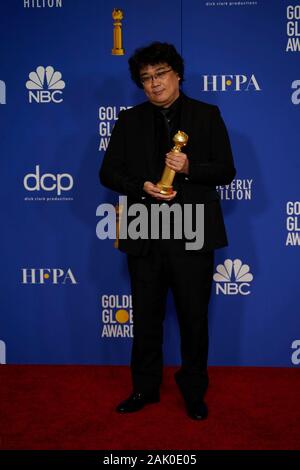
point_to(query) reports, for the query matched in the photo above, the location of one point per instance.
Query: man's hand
(178, 161)
(154, 191)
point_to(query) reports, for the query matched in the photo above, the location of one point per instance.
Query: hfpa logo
(47, 85)
(230, 83)
(47, 276)
(233, 277)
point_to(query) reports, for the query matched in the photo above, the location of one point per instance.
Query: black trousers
(189, 275)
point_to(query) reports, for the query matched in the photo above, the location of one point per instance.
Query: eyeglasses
(161, 75)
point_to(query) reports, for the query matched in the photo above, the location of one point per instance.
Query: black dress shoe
(197, 410)
(136, 402)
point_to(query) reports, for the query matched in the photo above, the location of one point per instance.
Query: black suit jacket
(128, 163)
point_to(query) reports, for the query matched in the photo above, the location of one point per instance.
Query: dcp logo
(296, 94)
(233, 277)
(43, 80)
(230, 83)
(48, 181)
(2, 92)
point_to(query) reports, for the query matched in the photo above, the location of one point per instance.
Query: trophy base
(118, 51)
(165, 189)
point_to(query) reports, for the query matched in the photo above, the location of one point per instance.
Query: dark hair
(153, 54)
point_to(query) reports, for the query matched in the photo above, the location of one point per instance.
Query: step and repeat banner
(65, 294)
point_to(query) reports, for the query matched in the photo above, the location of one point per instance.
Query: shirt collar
(171, 109)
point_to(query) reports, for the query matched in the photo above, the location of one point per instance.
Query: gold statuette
(165, 184)
(117, 15)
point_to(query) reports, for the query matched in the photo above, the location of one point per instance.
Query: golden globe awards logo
(116, 316)
(293, 223)
(45, 85)
(232, 278)
(108, 115)
(293, 28)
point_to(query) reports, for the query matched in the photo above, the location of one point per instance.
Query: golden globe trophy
(117, 15)
(165, 184)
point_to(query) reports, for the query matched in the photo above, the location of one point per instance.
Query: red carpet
(72, 407)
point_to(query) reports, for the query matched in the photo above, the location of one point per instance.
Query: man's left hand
(178, 161)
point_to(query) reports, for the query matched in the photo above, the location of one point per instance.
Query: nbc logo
(2, 352)
(45, 85)
(2, 92)
(233, 277)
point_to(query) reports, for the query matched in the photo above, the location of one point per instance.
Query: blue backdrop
(65, 293)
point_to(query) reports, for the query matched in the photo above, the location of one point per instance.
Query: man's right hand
(154, 191)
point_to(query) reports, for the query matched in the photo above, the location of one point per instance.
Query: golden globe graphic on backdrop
(117, 15)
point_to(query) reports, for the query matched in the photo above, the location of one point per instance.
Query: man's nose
(155, 81)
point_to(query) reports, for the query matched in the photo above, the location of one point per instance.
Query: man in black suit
(139, 149)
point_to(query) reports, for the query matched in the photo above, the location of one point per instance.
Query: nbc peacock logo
(45, 85)
(233, 277)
